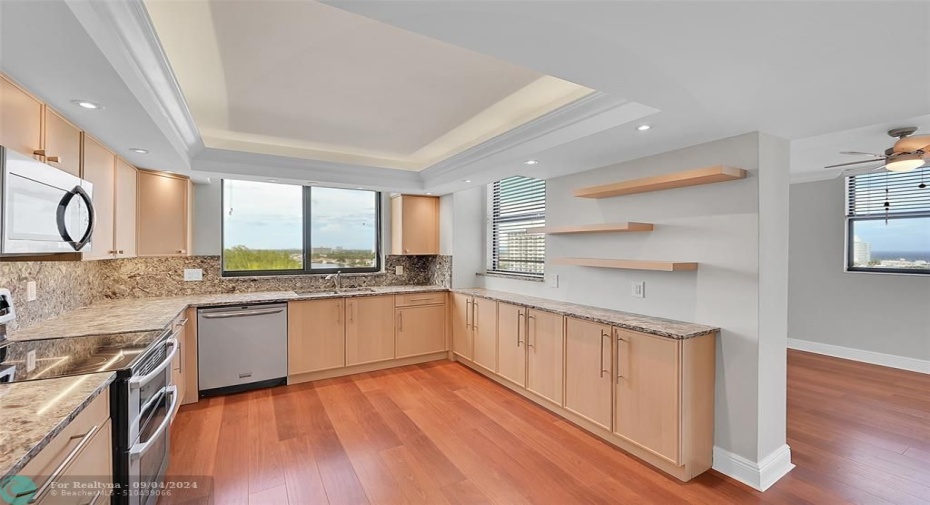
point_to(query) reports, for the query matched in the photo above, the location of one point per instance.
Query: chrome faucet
(336, 278)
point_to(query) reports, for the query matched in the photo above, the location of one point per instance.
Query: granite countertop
(33, 412)
(637, 322)
(150, 314)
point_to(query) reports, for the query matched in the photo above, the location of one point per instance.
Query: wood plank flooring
(441, 434)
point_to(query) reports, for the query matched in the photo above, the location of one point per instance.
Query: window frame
(493, 258)
(306, 245)
(850, 232)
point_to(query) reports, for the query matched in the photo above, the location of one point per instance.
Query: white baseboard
(759, 475)
(875, 358)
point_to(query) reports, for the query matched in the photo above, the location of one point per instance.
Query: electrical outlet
(193, 274)
(30, 361)
(31, 291)
(399, 270)
(639, 289)
(553, 280)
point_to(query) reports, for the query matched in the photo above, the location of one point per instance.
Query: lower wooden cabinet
(545, 333)
(511, 342)
(179, 371)
(484, 327)
(369, 329)
(420, 330)
(316, 335)
(589, 374)
(463, 335)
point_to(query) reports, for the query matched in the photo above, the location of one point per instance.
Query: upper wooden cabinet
(124, 217)
(414, 224)
(100, 170)
(20, 119)
(62, 148)
(164, 214)
(316, 335)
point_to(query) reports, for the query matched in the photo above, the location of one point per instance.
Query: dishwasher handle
(245, 313)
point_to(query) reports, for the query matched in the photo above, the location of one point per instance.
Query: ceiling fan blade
(910, 144)
(851, 163)
(860, 153)
(849, 172)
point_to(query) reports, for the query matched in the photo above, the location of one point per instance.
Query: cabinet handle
(113, 252)
(52, 159)
(603, 334)
(78, 449)
(619, 339)
(474, 315)
(338, 314)
(400, 315)
(467, 310)
(119, 251)
(96, 497)
(535, 337)
(420, 299)
(39, 152)
(519, 315)
(182, 251)
(351, 308)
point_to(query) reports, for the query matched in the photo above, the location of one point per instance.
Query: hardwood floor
(441, 434)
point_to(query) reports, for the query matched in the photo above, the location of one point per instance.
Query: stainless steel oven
(42, 209)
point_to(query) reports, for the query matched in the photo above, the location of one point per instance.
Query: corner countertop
(151, 314)
(637, 322)
(34, 412)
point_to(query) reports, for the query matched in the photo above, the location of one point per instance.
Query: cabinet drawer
(419, 299)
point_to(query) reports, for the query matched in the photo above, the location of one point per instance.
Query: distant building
(862, 252)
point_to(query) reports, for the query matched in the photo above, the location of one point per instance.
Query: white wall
(721, 226)
(877, 313)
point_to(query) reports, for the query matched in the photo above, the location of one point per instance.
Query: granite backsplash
(67, 285)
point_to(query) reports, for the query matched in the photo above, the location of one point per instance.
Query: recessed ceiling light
(138, 150)
(467, 180)
(359, 187)
(530, 162)
(272, 180)
(87, 104)
(643, 127)
(428, 193)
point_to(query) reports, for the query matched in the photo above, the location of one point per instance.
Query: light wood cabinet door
(124, 218)
(463, 338)
(511, 342)
(99, 169)
(179, 363)
(415, 224)
(648, 392)
(545, 341)
(189, 360)
(420, 330)
(484, 326)
(92, 466)
(20, 119)
(316, 335)
(369, 329)
(163, 214)
(589, 374)
(62, 143)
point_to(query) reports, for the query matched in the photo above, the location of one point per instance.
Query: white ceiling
(829, 76)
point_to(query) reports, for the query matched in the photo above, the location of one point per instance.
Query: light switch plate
(31, 291)
(30, 361)
(399, 270)
(193, 274)
(553, 280)
(639, 289)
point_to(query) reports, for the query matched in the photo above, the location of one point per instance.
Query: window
(518, 211)
(888, 222)
(274, 229)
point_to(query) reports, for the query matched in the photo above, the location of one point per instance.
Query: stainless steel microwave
(42, 209)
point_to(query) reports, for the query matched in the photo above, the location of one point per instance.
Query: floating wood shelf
(707, 175)
(663, 266)
(597, 228)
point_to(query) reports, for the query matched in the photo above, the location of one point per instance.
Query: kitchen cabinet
(463, 337)
(179, 369)
(190, 393)
(163, 214)
(124, 216)
(100, 170)
(369, 329)
(414, 224)
(484, 327)
(316, 335)
(544, 341)
(80, 455)
(21, 124)
(511, 343)
(62, 147)
(420, 330)
(589, 375)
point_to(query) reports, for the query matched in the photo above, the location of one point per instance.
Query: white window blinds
(518, 211)
(895, 194)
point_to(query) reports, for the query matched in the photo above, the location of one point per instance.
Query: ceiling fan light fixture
(906, 163)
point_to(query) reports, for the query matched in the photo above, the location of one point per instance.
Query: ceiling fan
(908, 153)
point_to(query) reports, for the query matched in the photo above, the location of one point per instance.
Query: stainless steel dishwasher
(241, 348)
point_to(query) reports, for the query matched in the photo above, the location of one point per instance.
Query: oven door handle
(137, 450)
(138, 382)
